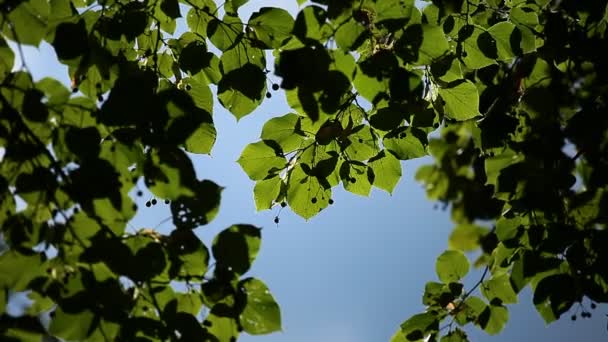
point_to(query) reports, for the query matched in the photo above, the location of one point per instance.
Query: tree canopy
(507, 96)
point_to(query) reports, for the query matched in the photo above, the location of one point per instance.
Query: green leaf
(395, 12)
(357, 178)
(306, 196)
(169, 173)
(199, 20)
(147, 259)
(190, 256)
(439, 295)
(225, 34)
(507, 228)
(27, 22)
(309, 23)
(398, 336)
(507, 42)
(191, 211)
(170, 8)
(372, 88)
(350, 35)
(261, 314)
(434, 44)
(456, 335)
(222, 328)
(189, 303)
(232, 6)
(387, 171)
(363, 144)
(7, 58)
(261, 160)
(466, 237)
(17, 270)
(499, 287)
(420, 326)
(461, 100)
(236, 247)
(471, 53)
(54, 91)
(526, 21)
(266, 191)
(243, 85)
(406, 143)
(498, 317)
(553, 295)
(3, 299)
(272, 26)
(40, 304)
(285, 131)
(447, 69)
(84, 325)
(71, 326)
(451, 266)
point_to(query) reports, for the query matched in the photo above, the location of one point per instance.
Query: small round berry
(140, 193)
(268, 95)
(283, 204)
(275, 87)
(188, 87)
(593, 306)
(166, 201)
(313, 200)
(276, 219)
(154, 201)
(331, 201)
(148, 204)
(573, 317)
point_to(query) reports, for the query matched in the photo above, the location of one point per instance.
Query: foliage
(506, 95)
(517, 89)
(73, 161)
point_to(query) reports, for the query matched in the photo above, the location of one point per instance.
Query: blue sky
(354, 272)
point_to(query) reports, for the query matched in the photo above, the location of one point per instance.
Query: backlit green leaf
(461, 100)
(406, 143)
(466, 237)
(419, 326)
(27, 22)
(387, 171)
(266, 192)
(306, 196)
(261, 159)
(285, 130)
(499, 287)
(236, 247)
(434, 44)
(261, 314)
(451, 266)
(474, 50)
(272, 26)
(508, 43)
(225, 34)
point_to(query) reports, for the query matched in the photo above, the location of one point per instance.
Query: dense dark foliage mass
(514, 89)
